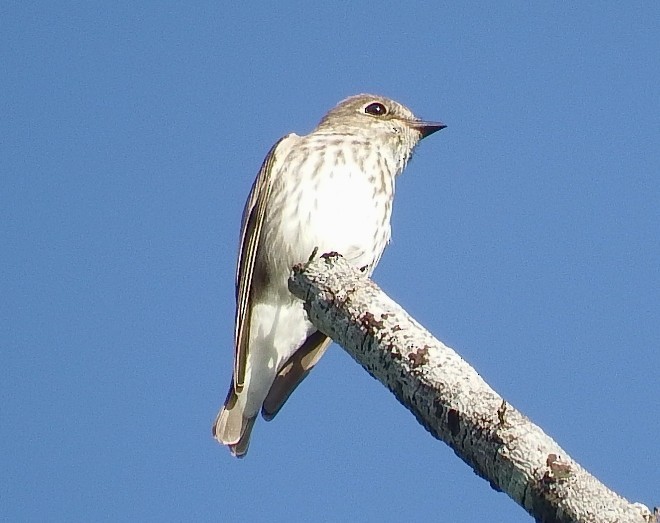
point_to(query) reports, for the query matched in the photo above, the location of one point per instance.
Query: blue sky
(525, 235)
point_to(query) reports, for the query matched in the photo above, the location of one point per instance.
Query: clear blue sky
(525, 235)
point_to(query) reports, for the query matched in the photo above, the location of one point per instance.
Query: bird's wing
(253, 219)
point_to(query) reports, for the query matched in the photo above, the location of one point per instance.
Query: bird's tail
(293, 372)
(231, 427)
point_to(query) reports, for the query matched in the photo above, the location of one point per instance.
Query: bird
(328, 191)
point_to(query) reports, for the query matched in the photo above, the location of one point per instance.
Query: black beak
(427, 128)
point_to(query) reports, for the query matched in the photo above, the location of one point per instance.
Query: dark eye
(376, 109)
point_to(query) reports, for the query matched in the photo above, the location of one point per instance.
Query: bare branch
(451, 400)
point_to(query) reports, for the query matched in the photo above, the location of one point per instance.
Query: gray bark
(451, 400)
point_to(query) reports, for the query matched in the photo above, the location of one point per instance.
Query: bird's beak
(427, 128)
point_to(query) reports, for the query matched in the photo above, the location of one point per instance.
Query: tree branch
(451, 400)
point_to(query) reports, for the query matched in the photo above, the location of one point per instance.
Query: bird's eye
(376, 109)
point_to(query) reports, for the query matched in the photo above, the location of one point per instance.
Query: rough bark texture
(451, 400)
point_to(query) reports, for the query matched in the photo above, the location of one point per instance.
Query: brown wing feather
(253, 218)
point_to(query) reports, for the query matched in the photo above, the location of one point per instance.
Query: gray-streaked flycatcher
(330, 190)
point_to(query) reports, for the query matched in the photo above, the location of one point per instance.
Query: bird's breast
(343, 209)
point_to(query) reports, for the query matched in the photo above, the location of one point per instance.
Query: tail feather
(293, 372)
(231, 427)
(240, 449)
